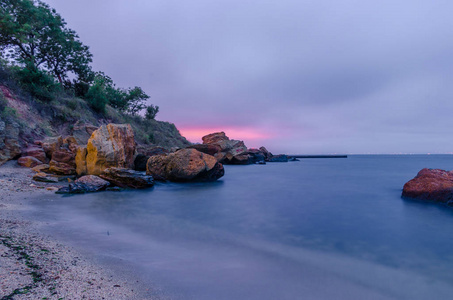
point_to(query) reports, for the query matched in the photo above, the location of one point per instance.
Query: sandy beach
(36, 266)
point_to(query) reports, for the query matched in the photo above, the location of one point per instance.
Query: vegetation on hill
(48, 86)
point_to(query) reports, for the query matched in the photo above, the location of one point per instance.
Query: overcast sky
(295, 76)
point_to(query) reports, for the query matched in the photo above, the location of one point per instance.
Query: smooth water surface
(313, 229)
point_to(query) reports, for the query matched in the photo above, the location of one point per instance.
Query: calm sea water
(313, 229)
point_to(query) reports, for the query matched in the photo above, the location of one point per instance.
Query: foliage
(39, 83)
(33, 34)
(151, 112)
(3, 103)
(97, 96)
(130, 101)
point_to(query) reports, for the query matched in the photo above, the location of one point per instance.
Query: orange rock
(28, 161)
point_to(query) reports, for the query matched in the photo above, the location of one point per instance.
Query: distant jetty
(317, 156)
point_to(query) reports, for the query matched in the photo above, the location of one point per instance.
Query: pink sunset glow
(248, 135)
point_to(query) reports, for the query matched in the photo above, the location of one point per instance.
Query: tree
(33, 34)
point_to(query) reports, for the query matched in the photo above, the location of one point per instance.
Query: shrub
(3, 103)
(40, 84)
(151, 112)
(96, 97)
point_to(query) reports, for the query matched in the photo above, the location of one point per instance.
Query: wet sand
(36, 266)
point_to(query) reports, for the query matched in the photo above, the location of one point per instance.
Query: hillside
(25, 119)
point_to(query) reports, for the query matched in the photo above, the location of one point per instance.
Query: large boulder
(185, 165)
(431, 184)
(229, 149)
(127, 178)
(9, 141)
(112, 145)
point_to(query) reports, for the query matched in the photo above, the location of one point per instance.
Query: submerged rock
(185, 165)
(431, 184)
(85, 184)
(279, 158)
(127, 178)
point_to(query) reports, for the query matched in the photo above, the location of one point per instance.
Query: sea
(309, 229)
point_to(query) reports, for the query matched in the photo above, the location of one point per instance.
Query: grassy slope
(39, 119)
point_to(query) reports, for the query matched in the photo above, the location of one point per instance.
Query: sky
(299, 77)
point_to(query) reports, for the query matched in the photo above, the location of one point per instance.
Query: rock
(210, 149)
(279, 158)
(36, 152)
(82, 132)
(144, 154)
(431, 184)
(228, 148)
(185, 165)
(50, 145)
(243, 159)
(44, 168)
(256, 156)
(112, 145)
(28, 161)
(80, 161)
(127, 178)
(85, 184)
(267, 155)
(43, 177)
(9, 141)
(140, 162)
(63, 162)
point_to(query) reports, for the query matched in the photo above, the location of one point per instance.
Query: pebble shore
(35, 266)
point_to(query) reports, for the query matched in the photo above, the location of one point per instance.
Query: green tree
(33, 34)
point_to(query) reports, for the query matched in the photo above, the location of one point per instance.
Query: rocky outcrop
(185, 165)
(432, 185)
(9, 141)
(28, 161)
(127, 178)
(229, 151)
(112, 145)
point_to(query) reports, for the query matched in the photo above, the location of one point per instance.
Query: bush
(151, 112)
(97, 98)
(40, 84)
(3, 103)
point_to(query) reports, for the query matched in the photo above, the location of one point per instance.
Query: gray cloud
(321, 76)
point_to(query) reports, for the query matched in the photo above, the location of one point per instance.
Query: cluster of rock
(431, 184)
(234, 152)
(111, 158)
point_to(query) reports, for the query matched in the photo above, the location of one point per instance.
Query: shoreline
(38, 266)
